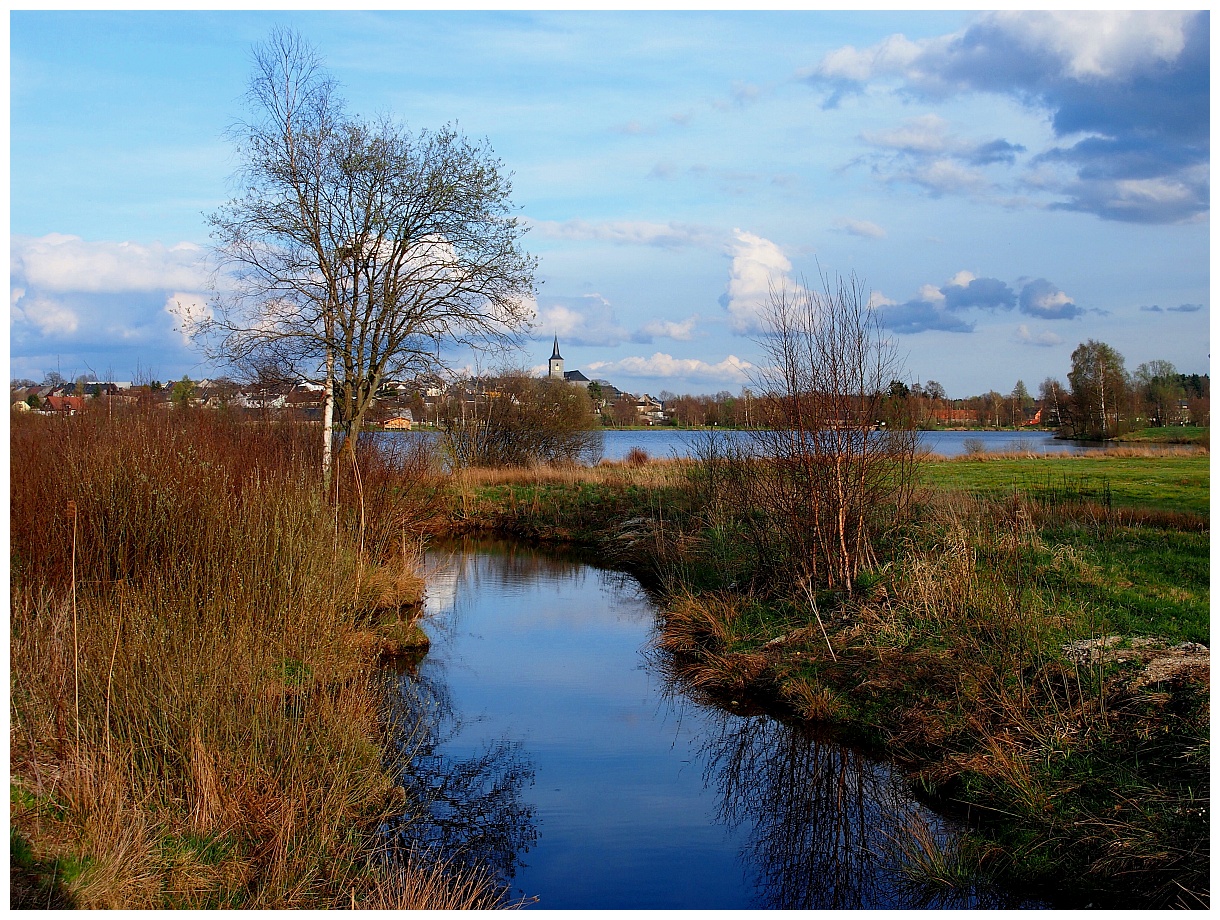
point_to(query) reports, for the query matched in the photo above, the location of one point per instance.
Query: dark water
(550, 746)
(671, 442)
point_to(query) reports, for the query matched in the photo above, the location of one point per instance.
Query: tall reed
(223, 747)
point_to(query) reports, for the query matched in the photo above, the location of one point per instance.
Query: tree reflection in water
(829, 826)
(465, 811)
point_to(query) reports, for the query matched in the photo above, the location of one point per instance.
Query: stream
(546, 742)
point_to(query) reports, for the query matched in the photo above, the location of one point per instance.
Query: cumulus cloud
(864, 228)
(586, 320)
(189, 310)
(666, 329)
(921, 314)
(49, 317)
(731, 370)
(940, 307)
(60, 263)
(965, 292)
(102, 304)
(928, 135)
(922, 151)
(1023, 336)
(1042, 299)
(671, 235)
(757, 264)
(1127, 92)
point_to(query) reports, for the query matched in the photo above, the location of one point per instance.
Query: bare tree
(359, 249)
(824, 477)
(515, 419)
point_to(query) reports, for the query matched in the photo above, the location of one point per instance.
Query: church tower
(556, 365)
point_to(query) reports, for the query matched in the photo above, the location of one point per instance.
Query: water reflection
(468, 811)
(644, 797)
(827, 828)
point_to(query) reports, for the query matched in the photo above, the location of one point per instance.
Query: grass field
(1173, 482)
(1019, 646)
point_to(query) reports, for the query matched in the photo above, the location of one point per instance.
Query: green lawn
(1160, 483)
(1173, 434)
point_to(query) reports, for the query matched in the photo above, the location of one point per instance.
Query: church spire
(555, 355)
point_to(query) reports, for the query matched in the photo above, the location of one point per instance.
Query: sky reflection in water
(552, 749)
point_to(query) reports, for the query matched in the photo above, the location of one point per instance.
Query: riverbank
(1033, 651)
(196, 712)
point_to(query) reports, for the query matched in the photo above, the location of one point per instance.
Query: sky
(1004, 185)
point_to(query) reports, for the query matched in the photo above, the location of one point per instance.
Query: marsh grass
(194, 722)
(954, 661)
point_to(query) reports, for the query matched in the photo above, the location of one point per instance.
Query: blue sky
(1007, 185)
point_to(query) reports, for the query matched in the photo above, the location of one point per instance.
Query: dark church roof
(575, 377)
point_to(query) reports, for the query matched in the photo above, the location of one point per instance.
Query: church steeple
(555, 367)
(555, 354)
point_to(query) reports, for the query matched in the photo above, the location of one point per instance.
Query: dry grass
(424, 885)
(654, 473)
(193, 723)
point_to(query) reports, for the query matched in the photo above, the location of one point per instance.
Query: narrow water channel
(548, 744)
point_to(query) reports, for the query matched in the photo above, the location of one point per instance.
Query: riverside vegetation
(197, 718)
(1031, 645)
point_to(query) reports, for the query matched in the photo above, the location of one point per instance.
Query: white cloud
(60, 263)
(758, 264)
(48, 316)
(1114, 45)
(1023, 336)
(631, 232)
(731, 370)
(1088, 44)
(941, 177)
(892, 55)
(188, 310)
(667, 329)
(864, 228)
(924, 134)
(586, 320)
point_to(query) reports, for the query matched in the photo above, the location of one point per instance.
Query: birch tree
(834, 477)
(358, 250)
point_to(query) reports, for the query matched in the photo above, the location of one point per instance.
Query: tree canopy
(358, 249)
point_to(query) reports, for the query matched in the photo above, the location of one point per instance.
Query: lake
(547, 742)
(673, 442)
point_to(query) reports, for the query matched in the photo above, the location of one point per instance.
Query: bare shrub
(516, 419)
(974, 447)
(823, 479)
(636, 457)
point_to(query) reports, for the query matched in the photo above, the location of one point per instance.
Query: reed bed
(194, 716)
(645, 473)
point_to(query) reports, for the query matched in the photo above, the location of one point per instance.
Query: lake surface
(550, 745)
(672, 442)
